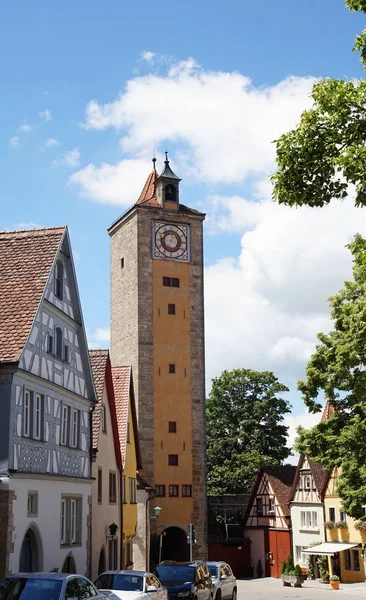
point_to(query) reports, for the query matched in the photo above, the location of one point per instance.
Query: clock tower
(157, 326)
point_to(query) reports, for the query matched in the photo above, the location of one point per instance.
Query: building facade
(268, 522)
(157, 326)
(46, 394)
(106, 511)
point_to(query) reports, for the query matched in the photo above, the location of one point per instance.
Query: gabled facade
(131, 461)
(267, 521)
(46, 396)
(307, 514)
(107, 528)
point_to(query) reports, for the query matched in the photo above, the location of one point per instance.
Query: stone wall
(6, 530)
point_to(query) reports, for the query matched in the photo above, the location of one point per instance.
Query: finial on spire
(166, 157)
(154, 160)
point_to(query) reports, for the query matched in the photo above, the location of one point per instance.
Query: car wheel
(218, 595)
(235, 594)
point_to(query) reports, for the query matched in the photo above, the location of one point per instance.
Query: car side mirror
(223, 577)
(151, 588)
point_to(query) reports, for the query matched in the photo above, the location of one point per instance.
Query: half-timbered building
(268, 522)
(46, 398)
(307, 513)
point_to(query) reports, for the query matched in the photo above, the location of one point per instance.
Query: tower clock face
(171, 241)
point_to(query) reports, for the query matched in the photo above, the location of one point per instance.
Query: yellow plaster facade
(130, 489)
(352, 564)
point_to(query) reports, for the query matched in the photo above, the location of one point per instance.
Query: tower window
(66, 353)
(172, 427)
(50, 344)
(59, 280)
(171, 309)
(122, 263)
(173, 460)
(175, 282)
(171, 368)
(170, 193)
(160, 490)
(186, 490)
(174, 491)
(167, 281)
(58, 342)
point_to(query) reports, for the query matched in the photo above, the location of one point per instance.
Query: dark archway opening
(69, 565)
(101, 563)
(174, 544)
(170, 193)
(30, 561)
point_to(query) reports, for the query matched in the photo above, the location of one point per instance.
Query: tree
(244, 429)
(338, 368)
(326, 152)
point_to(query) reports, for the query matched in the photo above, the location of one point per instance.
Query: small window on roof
(59, 280)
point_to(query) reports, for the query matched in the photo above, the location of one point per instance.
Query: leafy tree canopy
(327, 151)
(244, 429)
(338, 368)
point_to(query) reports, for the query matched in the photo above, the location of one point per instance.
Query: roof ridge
(35, 231)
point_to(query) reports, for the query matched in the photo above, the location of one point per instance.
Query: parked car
(224, 580)
(189, 580)
(131, 585)
(48, 586)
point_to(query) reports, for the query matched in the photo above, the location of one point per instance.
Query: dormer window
(59, 280)
(307, 482)
(58, 348)
(170, 193)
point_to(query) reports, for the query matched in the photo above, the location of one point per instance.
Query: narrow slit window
(171, 309)
(172, 427)
(58, 342)
(59, 280)
(171, 368)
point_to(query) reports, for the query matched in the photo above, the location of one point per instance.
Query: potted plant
(334, 582)
(341, 525)
(329, 524)
(291, 574)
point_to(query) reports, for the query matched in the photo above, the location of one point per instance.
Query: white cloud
(98, 338)
(148, 56)
(306, 420)
(14, 142)
(46, 115)
(71, 158)
(24, 128)
(225, 122)
(51, 142)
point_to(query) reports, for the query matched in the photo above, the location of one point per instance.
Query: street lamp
(157, 511)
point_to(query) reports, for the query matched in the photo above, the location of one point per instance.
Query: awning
(329, 548)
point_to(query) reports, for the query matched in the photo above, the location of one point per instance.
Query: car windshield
(117, 581)
(213, 570)
(175, 573)
(30, 589)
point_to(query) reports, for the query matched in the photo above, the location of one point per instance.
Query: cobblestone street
(273, 589)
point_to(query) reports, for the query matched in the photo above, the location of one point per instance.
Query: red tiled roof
(121, 383)
(98, 361)
(328, 410)
(281, 478)
(26, 259)
(147, 195)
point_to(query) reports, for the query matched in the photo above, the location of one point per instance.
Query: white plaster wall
(48, 520)
(257, 547)
(304, 537)
(104, 514)
(139, 541)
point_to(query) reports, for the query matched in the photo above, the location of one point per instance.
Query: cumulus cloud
(24, 128)
(51, 142)
(99, 338)
(46, 115)
(147, 55)
(71, 159)
(14, 142)
(304, 419)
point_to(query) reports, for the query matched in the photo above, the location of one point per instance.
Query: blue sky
(175, 76)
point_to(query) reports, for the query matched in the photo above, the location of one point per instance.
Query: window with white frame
(27, 413)
(132, 490)
(271, 505)
(309, 519)
(307, 482)
(352, 560)
(299, 557)
(64, 423)
(32, 507)
(342, 516)
(331, 512)
(37, 417)
(58, 335)
(71, 519)
(74, 427)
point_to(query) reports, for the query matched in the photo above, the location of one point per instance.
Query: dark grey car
(48, 586)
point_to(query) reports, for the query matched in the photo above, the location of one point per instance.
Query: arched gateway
(31, 559)
(174, 544)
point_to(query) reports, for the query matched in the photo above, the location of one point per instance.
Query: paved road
(273, 589)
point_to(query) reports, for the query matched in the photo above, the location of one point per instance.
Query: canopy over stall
(329, 548)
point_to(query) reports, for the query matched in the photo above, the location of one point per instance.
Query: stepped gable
(26, 261)
(281, 478)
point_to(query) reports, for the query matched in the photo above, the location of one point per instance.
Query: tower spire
(154, 161)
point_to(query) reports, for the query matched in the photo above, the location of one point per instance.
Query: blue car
(48, 586)
(186, 580)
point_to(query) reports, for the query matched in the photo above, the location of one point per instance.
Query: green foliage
(244, 429)
(338, 369)
(297, 570)
(323, 567)
(290, 566)
(284, 567)
(334, 578)
(355, 5)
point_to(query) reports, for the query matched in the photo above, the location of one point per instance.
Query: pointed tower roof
(167, 172)
(147, 195)
(328, 410)
(26, 260)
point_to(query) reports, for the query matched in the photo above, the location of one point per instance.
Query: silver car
(131, 585)
(48, 586)
(223, 579)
